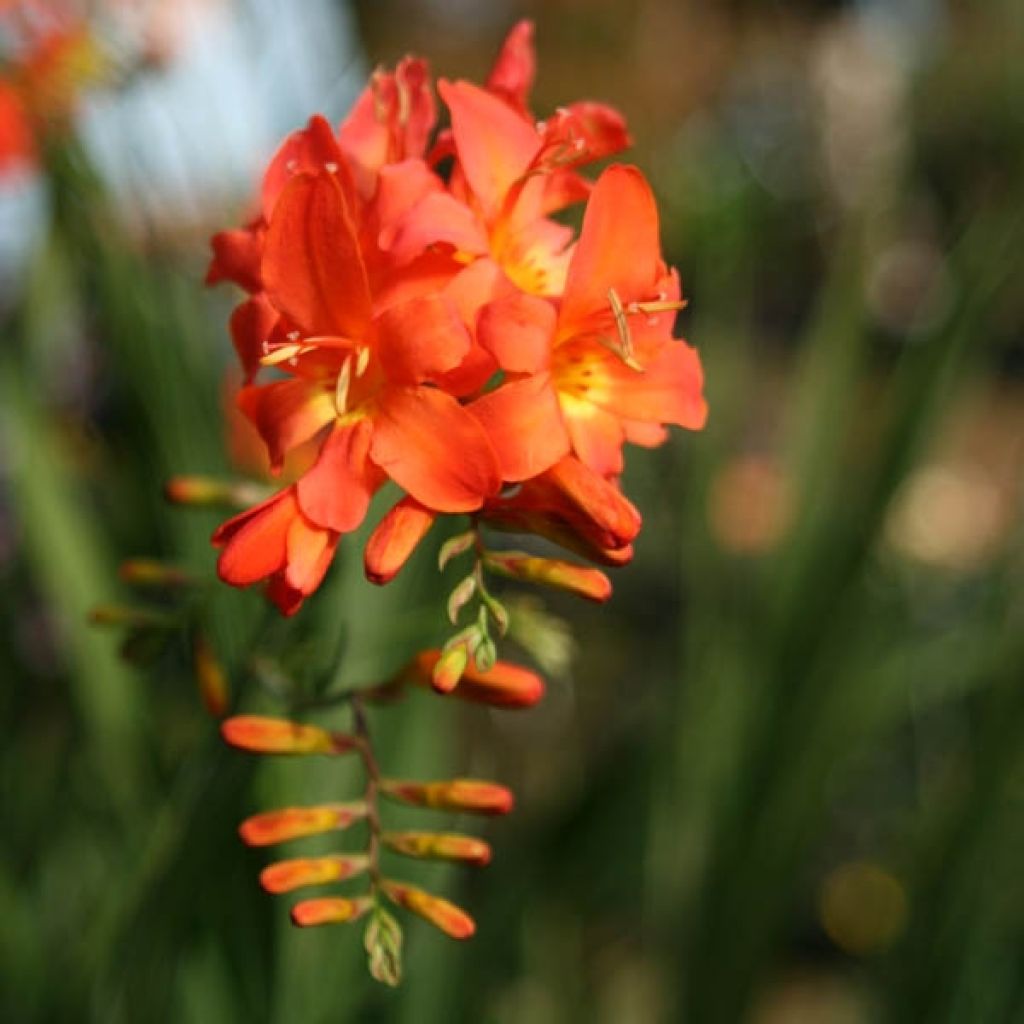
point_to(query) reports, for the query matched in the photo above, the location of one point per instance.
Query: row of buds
(264, 735)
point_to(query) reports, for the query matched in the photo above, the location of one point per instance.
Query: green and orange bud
(330, 910)
(260, 735)
(207, 490)
(449, 667)
(148, 572)
(279, 826)
(504, 685)
(213, 681)
(286, 875)
(551, 572)
(439, 912)
(472, 795)
(439, 846)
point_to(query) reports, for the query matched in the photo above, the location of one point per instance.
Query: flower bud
(329, 910)
(148, 572)
(439, 912)
(439, 846)
(206, 490)
(473, 795)
(395, 538)
(286, 875)
(552, 572)
(449, 667)
(213, 682)
(279, 826)
(505, 685)
(278, 736)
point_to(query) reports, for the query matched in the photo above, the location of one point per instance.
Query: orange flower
(606, 361)
(511, 174)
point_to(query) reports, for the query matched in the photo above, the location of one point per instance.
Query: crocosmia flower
(413, 311)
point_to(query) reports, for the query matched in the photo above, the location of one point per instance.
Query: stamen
(281, 354)
(660, 306)
(625, 348)
(331, 167)
(362, 360)
(342, 386)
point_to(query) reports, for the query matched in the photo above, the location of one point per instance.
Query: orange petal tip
(442, 914)
(329, 910)
(260, 735)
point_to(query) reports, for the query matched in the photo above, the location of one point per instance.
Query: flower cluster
(416, 313)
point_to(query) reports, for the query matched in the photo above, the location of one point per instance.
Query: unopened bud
(279, 736)
(551, 572)
(439, 912)
(286, 875)
(505, 685)
(449, 667)
(279, 826)
(206, 490)
(395, 538)
(439, 846)
(473, 795)
(329, 910)
(148, 572)
(213, 681)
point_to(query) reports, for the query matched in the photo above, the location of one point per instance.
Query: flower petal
(286, 413)
(524, 422)
(494, 143)
(312, 266)
(420, 339)
(515, 68)
(251, 325)
(518, 330)
(596, 435)
(309, 150)
(438, 218)
(336, 492)
(431, 446)
(310, 553)
(618, 248)
(256, 541)
(236, 257)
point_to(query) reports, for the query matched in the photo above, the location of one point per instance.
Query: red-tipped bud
(261, 735)
(213, 681)
(296, 822)
(148, 572)
(395, 539)
(448, 668)
(472, 795)
(551, 572)
(205, 490)
(286, 875)
(504, 685)
(439, 846)
(439, 912)
(329, 910)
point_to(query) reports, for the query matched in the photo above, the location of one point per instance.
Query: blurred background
(780, 777)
